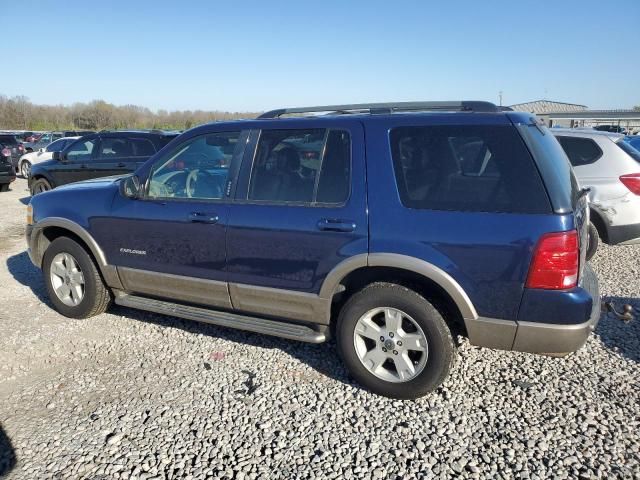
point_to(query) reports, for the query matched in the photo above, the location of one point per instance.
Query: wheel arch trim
(38, 244)
(403, 262)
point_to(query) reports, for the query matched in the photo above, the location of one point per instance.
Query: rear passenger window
(301, 166)
(581, 151)
(142, 147)
(115, 148)
(466, 168)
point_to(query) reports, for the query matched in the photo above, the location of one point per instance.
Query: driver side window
(198, 168)
(80, 151)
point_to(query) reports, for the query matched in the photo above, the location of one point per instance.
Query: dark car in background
(10, 142)
(98, 155)
(7, 172)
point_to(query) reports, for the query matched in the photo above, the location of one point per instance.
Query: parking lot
(131, 394)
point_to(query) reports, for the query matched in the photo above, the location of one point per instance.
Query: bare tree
(19, 113)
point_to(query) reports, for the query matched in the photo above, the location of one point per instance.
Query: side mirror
(41, 150)
(130, 187)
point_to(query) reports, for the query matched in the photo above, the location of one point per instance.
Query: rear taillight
(632, 182)
(555, 262)
(6, 152)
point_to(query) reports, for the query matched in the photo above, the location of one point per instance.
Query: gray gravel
(130, 394)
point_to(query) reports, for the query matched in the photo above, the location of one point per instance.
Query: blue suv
(392, 227)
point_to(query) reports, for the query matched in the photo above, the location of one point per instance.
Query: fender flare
(402, 262)
(38, 244)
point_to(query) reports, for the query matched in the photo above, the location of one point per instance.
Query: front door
(300, 210)
(73, 165)
(171, 242)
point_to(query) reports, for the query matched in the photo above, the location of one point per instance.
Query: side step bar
(224, 319)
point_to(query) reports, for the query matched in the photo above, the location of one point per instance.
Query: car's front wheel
(394, 342)
(40, 185)
(73, 282)
(25, 168)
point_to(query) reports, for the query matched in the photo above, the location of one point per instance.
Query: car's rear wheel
(4, 187)
(394, 342)
(594, 240)
(40, 185)
(25, 168)
(73, 281)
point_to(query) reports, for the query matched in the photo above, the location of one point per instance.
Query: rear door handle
(202, 217)
(336, 225)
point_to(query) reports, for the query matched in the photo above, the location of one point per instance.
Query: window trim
(284, 203)
(591, 162)
(232, 175)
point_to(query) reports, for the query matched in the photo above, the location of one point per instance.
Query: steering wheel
(192, 180)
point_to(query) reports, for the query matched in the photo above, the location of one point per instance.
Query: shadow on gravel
(618, 336)
(7, 455)
(27, 274)
(323, 358)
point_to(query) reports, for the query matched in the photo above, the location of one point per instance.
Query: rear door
(300, 210)
(114, 156)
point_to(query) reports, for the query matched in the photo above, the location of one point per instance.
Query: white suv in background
(610, 167)
(41, 155)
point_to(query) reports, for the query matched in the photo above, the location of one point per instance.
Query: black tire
(25, 166)
(439, 340)
(594, 240)
(97, 297)
(4, 187)
(40, 185)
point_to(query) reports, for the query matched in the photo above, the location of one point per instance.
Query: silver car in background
(610, 167)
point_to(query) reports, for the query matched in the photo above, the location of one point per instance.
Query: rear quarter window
(472, 168)
(581, 151)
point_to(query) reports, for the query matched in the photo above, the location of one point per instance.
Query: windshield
(631, 151)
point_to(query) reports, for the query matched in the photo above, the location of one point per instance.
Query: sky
(257, 55)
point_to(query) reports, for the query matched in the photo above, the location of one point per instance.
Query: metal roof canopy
(594, 115)
(386, 108)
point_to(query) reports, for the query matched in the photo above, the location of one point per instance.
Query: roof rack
(385, 108)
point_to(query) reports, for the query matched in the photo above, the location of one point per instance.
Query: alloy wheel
(390, 344)
(67, 279)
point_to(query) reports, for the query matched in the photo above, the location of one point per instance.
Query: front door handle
(202, 217)
(336, 225)
(121, 164)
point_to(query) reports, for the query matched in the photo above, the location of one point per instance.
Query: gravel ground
(130, 394)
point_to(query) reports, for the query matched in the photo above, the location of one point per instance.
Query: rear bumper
(623, 234)
(551, 338)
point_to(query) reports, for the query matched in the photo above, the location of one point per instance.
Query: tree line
(19, 113)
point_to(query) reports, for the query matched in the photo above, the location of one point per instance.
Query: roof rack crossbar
(385, 108)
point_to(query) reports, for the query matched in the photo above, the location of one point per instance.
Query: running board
(276, 328)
